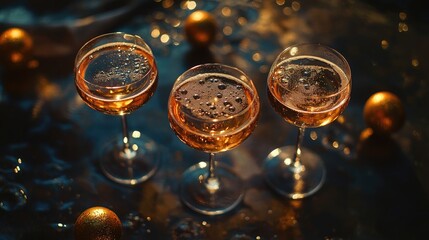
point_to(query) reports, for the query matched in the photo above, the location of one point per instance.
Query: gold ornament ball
(16, 46)
(200, 28)
(98, 223)
(384, 113)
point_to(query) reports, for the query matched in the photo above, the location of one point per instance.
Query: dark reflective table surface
(376, 188)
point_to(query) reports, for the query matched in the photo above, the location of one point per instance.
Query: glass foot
(133, 165)
(211, 196)
(294, 180)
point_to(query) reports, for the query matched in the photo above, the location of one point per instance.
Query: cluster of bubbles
(212, 97)
(308, 85)
(119, 68)
(312, 79)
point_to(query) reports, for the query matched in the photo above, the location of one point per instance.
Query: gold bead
(16, 47)
(200, 28)
(98, 223)
(384, 113)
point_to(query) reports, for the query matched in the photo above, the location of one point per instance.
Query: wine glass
(309, 85)
(116, 73)
(212, 108)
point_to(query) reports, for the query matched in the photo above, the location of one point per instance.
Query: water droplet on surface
(241, 236)
(188, 229)
(10, 164)
(138, 224)
(59, 227)
(12, 197)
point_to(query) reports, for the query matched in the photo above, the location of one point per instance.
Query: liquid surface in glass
(308, 91)
(213, 112)
(116, 78)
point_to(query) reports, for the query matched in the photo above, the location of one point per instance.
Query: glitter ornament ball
(200, 28)
(98, 223)
(16, 47)
(384, 113)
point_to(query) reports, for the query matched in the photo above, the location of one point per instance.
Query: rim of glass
(335, 52)
(249, 84)
(145, 47)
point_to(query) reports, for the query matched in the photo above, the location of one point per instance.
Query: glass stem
(212, 166)
(212, 181)
(126, 138)
(297, 154)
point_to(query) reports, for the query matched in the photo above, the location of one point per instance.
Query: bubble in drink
(215, 122)
(116, 78)
(221, 86)
(308, 91)
(115, 69)
(205, 89)
(308, 85)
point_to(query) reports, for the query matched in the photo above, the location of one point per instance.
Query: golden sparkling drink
(116, 78)
(213, 112)
(308, 91)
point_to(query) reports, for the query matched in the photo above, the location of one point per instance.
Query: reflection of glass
(341, 137)
(212, 108)
(116, 74)
(309, 85)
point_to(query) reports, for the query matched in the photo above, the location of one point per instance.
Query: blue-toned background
(375, 188)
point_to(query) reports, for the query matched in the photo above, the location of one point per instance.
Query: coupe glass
(309, 86)
(212, 108)
(115, 74)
